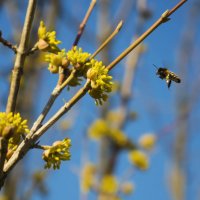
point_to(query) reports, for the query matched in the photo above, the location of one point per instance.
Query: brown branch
(176, 7)
(55, 93)
(62, 75)
(7, 43)
(164, 18)
(17, 71)
(117, 29)
(20, 57)
(3, 152)
(5, 136)
(83, 23)
(32, 50)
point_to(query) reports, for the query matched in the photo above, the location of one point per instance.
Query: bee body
(169, 76)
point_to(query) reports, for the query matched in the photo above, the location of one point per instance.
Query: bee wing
(168, 83)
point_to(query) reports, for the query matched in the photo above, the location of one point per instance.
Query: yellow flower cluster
(59, 151)
(100, 81)
(19, 127)
(139, 159)
(147, 141)
(56, 60)
(80, 61)
(88, 177)
(77, 57)
(47, 40)
(101, 129)
(93, 70)
(109, 184)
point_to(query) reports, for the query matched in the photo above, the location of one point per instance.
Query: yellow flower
(147, 141)
(98, 74)
(7, 119)
(101, 129)
(77, 57)
(98, 129)
(53, 155)
(109, 184)
(101, 83)
(47, 40)
(139, 159)
(88, 177)
(127, 188)
(118, 137)
(19, 127)
(56, 60)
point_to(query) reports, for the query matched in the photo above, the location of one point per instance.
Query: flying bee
(166, 74)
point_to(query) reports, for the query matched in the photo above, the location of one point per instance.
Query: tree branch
(17, 73)
(83, 23)
(7, 43)
(20, 57)
(164, 18)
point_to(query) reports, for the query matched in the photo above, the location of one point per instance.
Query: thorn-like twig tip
(119, 26)
(93, 3)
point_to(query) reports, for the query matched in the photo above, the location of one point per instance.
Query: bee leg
(168, 83)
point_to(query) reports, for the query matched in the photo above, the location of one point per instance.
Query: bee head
(161, 71)
(158, 69)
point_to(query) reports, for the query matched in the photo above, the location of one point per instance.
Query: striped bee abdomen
(174, 77)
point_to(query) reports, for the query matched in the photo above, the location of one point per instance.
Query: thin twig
(78, 36)
(57, 90)
(176, 7)
(7, 43)
(20, 57)
(32, 50)
(37, 146)
(164, 18)
(117, 29)
(83, 23)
